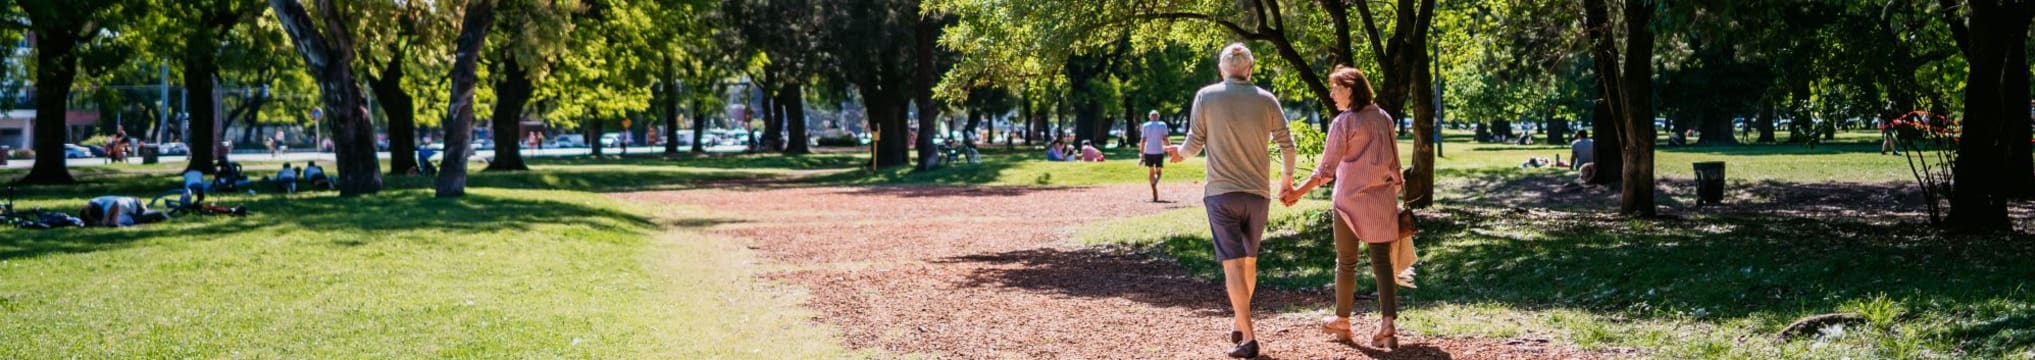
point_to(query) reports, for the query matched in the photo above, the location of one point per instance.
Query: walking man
(1233, 120)
(1153, 134)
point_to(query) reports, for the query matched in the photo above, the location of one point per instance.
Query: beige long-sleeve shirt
(1234, 120)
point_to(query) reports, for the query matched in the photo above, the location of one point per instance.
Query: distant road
(327, 157)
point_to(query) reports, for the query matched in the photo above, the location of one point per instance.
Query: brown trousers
(1346, 257)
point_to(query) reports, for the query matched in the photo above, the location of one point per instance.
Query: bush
(838, 140)
(1308, 140)
(21, 154)
(97, 140)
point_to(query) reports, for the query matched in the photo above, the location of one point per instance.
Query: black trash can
(150, 153)
(1709, 182)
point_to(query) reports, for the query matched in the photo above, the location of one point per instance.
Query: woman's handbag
(1403, 255)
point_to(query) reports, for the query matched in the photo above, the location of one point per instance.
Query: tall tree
(929, 69)
(327, 42)
(533, 35)
(1627, 81)
(877, 38)
(62, 29)
(473, 33)
(203, 25)
(1992, 155)
(1404, 60)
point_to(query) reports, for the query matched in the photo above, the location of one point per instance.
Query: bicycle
(179, 201)
(33, 219)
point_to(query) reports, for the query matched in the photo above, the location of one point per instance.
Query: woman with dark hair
(1363, 160)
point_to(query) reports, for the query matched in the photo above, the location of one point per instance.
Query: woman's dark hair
(1353, 79)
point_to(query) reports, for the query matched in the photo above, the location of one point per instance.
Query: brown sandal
(1341, 329)
(1387, 342)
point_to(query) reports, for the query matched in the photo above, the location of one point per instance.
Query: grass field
(1706, 287)
(539, 264)
(527, 265)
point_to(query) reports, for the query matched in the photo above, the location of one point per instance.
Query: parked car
(568, 141)
(609, 139)
(175, 148)
(73, 151)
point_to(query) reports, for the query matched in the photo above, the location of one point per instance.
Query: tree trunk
(512, 93)
(480, 15)
(400, 110)
(925, 32)
(1996, 94)
(331, 63)
(1605, 145)
(773, 119)
(892, 136)
(1085, 74)
(1032, 127)
(669, 104)
(699, 128)
(200, 70)
(1765, 124)
(1557, 131)
(1419, 187)
(1717, 129)
(794, 102)
(1629, 91)
(57, 69)
(593, 134)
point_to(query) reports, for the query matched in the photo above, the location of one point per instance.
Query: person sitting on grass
(1056, 151)
(1089, 152)
(118, 211)
(228, 176)
(194, 187)
(316, 175)
(286, 180)
(1582, 151)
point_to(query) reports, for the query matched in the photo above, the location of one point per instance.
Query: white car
(568, 141)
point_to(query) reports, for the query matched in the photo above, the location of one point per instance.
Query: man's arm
(1197, 133)
(1287, 151)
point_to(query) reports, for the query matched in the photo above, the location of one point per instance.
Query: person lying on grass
(1089, 153)
(118, 211)
(316, 175)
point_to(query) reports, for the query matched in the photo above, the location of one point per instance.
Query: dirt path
(983, 273)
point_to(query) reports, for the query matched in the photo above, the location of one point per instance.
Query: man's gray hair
(1235, 61)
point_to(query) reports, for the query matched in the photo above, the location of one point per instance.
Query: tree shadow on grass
(984, 172)
(716, 161)
(1557, 190)
(909, 191)
(390, 211)
(589, 179)
(1782, 149)
(1100, 272)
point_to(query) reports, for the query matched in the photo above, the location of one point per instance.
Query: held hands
(1290, 196)
(1287, 194)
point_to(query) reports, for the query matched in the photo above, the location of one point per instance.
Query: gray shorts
(1237, 221)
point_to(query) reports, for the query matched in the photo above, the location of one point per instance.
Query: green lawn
(527, 265)
(1023, 167)
(538, 264)
(1705, 287)
(1853, 157)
